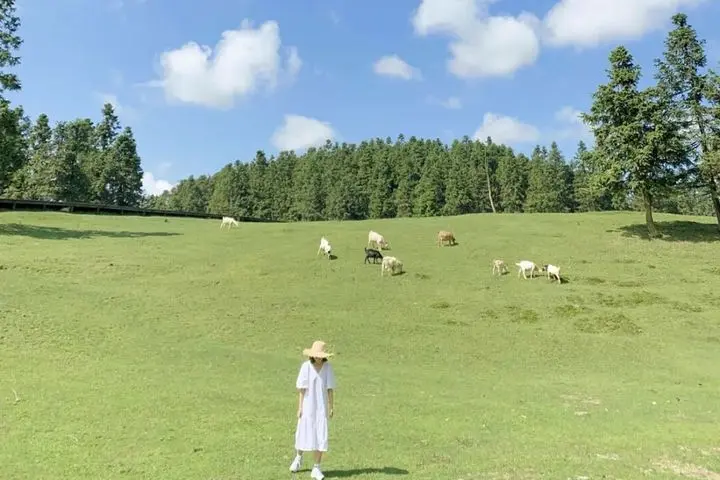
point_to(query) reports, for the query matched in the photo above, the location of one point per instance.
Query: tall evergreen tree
(124, 171)
(638, 143)
(10, 43)
(682, 77)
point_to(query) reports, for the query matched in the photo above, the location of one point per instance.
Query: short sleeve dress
(312, 428)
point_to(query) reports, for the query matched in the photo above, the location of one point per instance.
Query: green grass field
(145, 348)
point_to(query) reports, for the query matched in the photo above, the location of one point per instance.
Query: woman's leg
(318, 457)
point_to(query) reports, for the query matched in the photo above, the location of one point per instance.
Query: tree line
(75, 161)
(656, 149)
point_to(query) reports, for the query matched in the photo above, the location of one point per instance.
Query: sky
(203, 84)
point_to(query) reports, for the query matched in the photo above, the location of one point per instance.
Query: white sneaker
(316, 474)
(296, 464)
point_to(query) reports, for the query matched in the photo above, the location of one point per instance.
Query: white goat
(499, 267)
(325, 247)
(552, 270)
(525, 266)
(377, 240)
(229, 221)
(391, 264)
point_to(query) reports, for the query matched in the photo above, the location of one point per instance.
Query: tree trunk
(487, 176)
(715, 200)
(647, 203)
(711, 185)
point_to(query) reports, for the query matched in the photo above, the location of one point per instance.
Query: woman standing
(315, 384)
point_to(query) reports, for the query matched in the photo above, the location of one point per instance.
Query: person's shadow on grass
(365, 471)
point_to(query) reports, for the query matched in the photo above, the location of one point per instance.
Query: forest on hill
(656, 149)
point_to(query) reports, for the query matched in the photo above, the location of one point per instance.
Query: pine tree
(10, 42)
(682, 78)
(638, 142)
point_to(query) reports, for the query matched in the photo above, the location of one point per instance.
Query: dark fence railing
(34, 205)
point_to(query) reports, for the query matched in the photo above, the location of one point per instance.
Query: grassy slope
(145, 348)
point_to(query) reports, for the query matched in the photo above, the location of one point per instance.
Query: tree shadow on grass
(675, 231)
(365, 471)
(57, 233)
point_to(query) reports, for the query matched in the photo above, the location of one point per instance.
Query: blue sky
(298, 71)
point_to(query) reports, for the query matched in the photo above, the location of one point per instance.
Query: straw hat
(317, 350)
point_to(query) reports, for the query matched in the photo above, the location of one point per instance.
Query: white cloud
(298, 132)
(482, 45)
(155, 186)
(451, 103)
(588, 23)
(572, 125)
(506, 130)
(394, 66)
(243, 61)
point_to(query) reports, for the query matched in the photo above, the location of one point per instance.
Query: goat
(552, 270)
(526, 265)
(374, 254)
(377, 240)
(325, 247)
(499, 267)
(444, 236)
(229, 221)
(391, 264)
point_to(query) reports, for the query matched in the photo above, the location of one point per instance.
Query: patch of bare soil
(688, 470)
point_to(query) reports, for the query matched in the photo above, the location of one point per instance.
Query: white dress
(312, 427)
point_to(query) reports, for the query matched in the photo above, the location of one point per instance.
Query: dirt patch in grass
(688, 470)
(616, 323)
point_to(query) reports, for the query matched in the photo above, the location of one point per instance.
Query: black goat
(372, 253)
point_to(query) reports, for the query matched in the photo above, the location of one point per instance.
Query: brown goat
(444, 236)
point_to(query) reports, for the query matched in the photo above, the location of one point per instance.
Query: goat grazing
(444, 237)
(391, 264)
(325, 247)
(525, 266)
(499, 267)
(229, 221)
(377, 240)
(374, 254)
(553, 271)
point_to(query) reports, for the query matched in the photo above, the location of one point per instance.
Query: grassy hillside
(140, 348)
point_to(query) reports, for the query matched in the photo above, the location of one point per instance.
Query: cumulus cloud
(485, 45)
(506, 130)
(155, 186)
(394, 66)
(587, 23)
(482, 45)
(244, 61)
(298, 132)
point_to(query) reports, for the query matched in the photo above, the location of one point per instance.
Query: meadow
(146, 348)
